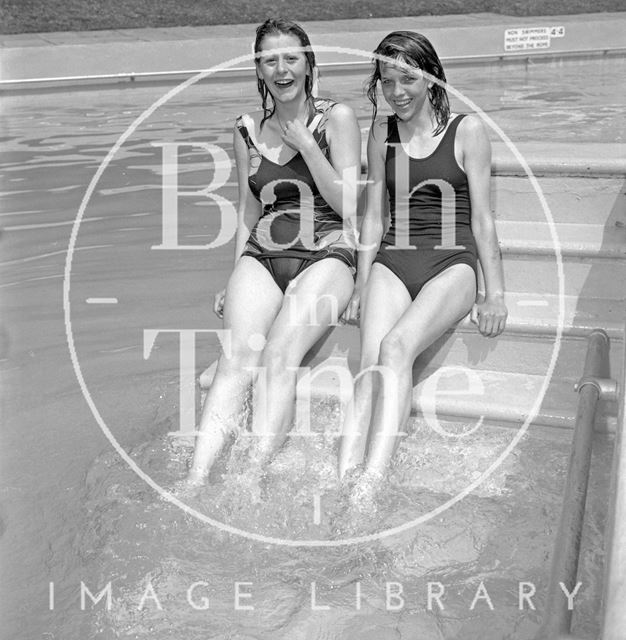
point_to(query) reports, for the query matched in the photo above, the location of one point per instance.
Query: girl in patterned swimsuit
(419, 279)
(297, 164)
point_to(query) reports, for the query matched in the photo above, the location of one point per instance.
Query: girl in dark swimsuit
(419, 279)
(294, 254)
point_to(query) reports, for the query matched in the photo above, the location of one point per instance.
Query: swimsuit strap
(445, 148)
(323, 106)
(393, 135)
(245, 134)
(450, 134)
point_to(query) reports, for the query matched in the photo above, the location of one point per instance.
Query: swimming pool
(73, 511)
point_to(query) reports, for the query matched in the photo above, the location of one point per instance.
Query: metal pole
(614, 622)
(558, 617)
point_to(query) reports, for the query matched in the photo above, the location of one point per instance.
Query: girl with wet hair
(294, 252)
(414, 50)
(429, 172)
(277, 26)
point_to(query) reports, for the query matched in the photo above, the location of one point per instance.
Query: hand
(218, 303)
(490, 316)
(297, 136)
(352, 313)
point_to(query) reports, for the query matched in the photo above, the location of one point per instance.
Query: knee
(394, 351)
(238, 356)
(369, 355)
(276, 357)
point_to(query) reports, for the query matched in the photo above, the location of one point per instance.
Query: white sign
(531, 37)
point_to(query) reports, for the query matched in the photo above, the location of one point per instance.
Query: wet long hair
(278, 26)
(415, 50)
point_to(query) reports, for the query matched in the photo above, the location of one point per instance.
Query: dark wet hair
(415, 50)
(277, 26)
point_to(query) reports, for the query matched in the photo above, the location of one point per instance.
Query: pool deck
(62, 59)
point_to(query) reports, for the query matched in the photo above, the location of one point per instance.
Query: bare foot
(365, 491)
(195, 478)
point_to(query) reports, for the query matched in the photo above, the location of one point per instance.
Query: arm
(344, 138)
(248, 210)
(372, 226)
(476, 149)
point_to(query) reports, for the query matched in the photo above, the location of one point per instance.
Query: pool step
(580, 200)
(576, 240)
(572, 239)
(508, 371)
(584, 277)
(512, 352)
(450, 392)
(515, 351)
(539, 314)
(527, 341)
(581, 159)
(497, 397)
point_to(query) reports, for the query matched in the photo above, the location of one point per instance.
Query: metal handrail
(593, 386)
(614, 592)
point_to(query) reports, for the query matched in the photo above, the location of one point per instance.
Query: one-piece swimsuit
(297, 226)
(430, 211)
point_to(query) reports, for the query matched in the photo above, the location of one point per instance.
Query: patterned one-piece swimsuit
(297, 227)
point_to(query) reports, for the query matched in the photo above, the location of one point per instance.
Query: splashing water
(172, 576)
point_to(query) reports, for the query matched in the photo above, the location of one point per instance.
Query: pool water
(72, 510)
(151, 554)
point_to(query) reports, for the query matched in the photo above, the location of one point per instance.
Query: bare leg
(384, 301)
(252, 301)
(442, 302)
(313, 301)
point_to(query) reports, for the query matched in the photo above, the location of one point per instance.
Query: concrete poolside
(132, 52)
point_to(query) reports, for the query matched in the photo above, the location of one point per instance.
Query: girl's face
(404, 88)
(283, 72)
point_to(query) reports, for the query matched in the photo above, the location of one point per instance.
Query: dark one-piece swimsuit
(430, 211)
(297, 226)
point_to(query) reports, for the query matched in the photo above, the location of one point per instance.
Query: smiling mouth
(402, 103)
(283, 84)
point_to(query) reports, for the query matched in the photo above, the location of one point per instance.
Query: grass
(31, 16)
